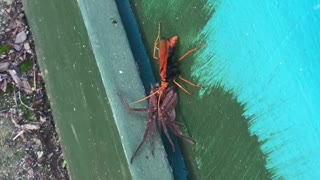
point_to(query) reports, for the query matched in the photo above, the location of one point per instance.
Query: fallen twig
(15, 97)
(34, 76)
(19, 94)
(20, 133)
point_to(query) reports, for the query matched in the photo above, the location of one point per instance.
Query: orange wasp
(165, 53)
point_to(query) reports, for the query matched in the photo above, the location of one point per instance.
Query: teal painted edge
(119, 75)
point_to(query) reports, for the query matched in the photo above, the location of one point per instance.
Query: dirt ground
(29, 144)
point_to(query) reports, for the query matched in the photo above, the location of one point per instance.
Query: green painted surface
(119, 74)
(86, 61)
(225, 149)
(90, 139)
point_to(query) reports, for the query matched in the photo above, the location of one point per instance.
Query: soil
(29, 144)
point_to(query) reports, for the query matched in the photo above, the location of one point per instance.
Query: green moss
(26, 65)
(64, 164)
(25, 98)
(9, 88)
(30, 81)
(47, 103)
(4, 49)
(27, 113)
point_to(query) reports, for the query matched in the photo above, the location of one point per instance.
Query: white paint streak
(75, 134)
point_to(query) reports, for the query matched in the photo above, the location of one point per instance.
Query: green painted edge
(80, 52)
(120, 74)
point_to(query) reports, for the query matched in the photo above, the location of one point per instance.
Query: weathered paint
(86, 60)
(267, 55)
(90, 141)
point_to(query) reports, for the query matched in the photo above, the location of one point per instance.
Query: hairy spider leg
(143, 140)
(150, 124)
(165, 130)
(153, 136)
(177, 132)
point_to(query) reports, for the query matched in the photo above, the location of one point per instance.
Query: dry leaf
(42, 119)
(30, 173)
(15, 78)
(3, 85)
(37, 141)
(21, 37)
(4, 66)
(31, 126)
(39, 154)
(26, 86)
(3, 115)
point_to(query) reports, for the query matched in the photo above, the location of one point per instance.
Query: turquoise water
(268, 55)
